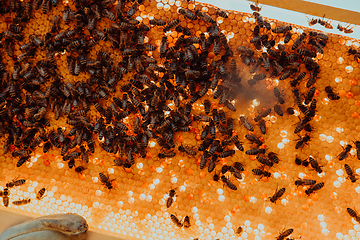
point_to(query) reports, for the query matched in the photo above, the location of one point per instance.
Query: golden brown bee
(176, 221)
(284, 234)
(21, 202)
(353, 213)
(186, 150)
(5, 193)
(221, 13)
(40, 193)
(313, 21)
(239, 230)
(6, 201)
(282, 29)
(255, 7)
(22, 160)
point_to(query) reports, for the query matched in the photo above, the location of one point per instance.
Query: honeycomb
(132, 201)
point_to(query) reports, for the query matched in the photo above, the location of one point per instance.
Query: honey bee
(176, 221)
(5, 193)
(170, 199)
(227, 153)
(186, 222)
(298, 41)
(353, 213)
(314, 188)
(331, 94)
(253, 139)
(258, 18)
(345, 153)
(15, 182)
(315, 165)
(284, 234)
(186, 150)
(41, 193)
(21, 202)
(106, 181)
(255, 7)
(229, 184)
(313, 21)
(302, 141)
(265, 161)
(345, 29)
(166, 155)
(6, 201)
(188, 14)
(255, 151)
(261, 172)
(278, 194)
(303, 182)
(221, 13)
(246, 124)
(22, 160)
(278, 110)
(282, 29)
(350, 173)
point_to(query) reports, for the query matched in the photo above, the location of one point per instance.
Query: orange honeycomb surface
(133, 204)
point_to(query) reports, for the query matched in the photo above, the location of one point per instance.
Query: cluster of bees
(14, 183)
(32, 89)
(328, 25)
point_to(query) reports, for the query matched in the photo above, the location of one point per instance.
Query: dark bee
(298, 161)
(46, 147)
(21, 153)
(314, 188)
(297, 79)
(345, 153)
(318, 35)
(306, 52)
(79, 169)
(227, 153)
(22, 160)
(302, 141)
(350, 173)
(186, 150)
(188, 14)
(357, 146)
(262, 126)
(106, 181)
(282, 29)
(255, 151)
(278, 110)
(259, 19)
(277, 94)
(262, 114)
(207, 106)
(265, 161)
(186, 222)
(315, 165)
(21, 202)
(310, 95)
(229, 184)
(260, 172)
(239, 230)
(40, 194)
(246, 124)
(331, 94)
(278, 194)
(253, 139)
(298, 41)
(170, 199)
(284, 234)
(353, 213)
(176, 221)
(166, 155)
(303, 182)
